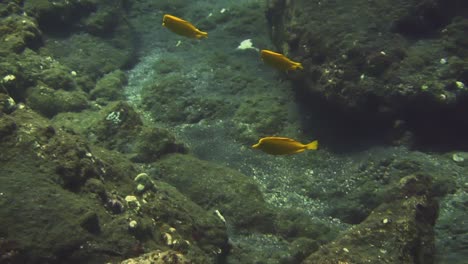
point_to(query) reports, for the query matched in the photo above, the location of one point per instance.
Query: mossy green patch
(118, 126)
(50, 102)
(260, 115)
(397, 231)
(57, 195)
(58, 77)
(217, 188)
(58, 15)
(87, 54)
(152, 143)
(18, 33)
(110, 86)
(172, 99)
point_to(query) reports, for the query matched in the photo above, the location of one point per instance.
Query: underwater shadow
(439, 128)
(428, 126)
(337, 129)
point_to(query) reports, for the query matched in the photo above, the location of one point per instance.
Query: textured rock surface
(62, 200)
(396, 60)
(400, 231)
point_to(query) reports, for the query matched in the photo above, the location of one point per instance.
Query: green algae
(50, 102)
(375, 66)
(57, 163)
(187, 108)
(217, 188)
(76, 51)
(400, 230)
(265, 114)
(110, 87)
(118, 126)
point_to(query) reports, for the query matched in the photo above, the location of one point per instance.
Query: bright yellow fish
(283, 146)
(279, 61)
(182, 27)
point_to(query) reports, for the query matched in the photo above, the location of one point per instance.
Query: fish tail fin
(299, 66)
(202, 34)
(312, 145)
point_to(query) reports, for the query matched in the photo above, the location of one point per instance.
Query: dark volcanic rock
(399, 231)
(381, 63)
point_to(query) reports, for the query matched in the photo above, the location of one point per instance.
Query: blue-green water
(91, 100)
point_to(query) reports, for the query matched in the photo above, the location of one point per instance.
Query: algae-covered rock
(59, 15)
(185, 106)
(185, 226)
(50, 102)
(264, 114)
(292, 224)
(30, 74)
(7, 104)
(14, 82)
(10, 7)
(397, 231)
(7, 127)
(371, 179)
(119, 127)
(378, 63)
(451, 229)
(303, 247)
(152, 143)
(32, 185)
(91, 37)
(104, 20)
(159, 257)
(58, 77)
(456, 39)
(217, 188)
(115, 125)
(18, 33)
(55, 188)
(89, 55)
(90, 222)
(110, 86)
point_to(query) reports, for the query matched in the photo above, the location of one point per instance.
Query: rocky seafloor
(121, 142)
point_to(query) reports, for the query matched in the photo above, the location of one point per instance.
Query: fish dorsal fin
(280, 139)
(187, 23)
(180, 20)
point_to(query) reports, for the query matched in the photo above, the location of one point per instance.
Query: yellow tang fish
(279, 61)
(182, 27)
(283, 146)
